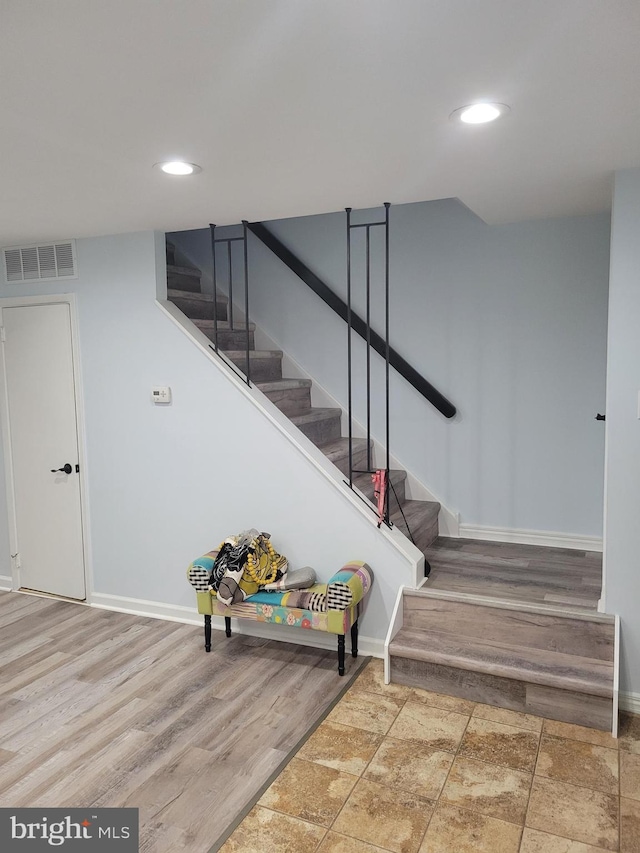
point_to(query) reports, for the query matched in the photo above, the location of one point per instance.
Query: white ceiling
(304, 106)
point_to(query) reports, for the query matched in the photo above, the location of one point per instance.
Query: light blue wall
(507, 321)
(168, 483)
(622, 533)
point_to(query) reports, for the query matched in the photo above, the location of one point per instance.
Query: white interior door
(43, 434)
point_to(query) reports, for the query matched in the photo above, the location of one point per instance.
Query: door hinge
(18, 560)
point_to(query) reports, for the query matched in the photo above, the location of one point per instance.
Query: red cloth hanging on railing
(379, 480)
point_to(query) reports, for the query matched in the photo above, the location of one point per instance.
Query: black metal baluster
(212, 231)
(246, 295)
(368, 314)
(230, 306)
(349, 389)
(386, 308)
(300, 269)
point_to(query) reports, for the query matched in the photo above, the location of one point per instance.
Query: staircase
(528, 658)
(416, 519)
(472, 631)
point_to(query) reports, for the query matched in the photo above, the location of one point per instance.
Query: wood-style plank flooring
(530, 573)
(106, 709)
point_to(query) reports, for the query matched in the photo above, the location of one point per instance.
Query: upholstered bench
(340, 603)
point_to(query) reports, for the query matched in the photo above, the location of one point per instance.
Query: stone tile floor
(408, 771)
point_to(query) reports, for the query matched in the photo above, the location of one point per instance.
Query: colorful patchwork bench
(337, 605)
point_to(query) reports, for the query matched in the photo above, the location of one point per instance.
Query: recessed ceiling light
(479, 113)
(177, 167)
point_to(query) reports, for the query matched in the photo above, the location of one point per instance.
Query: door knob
(67, 469)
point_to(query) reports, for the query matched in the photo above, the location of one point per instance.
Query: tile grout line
(357, 778)
(584, 787)
(455, 755)
(578, 785)
(437, 799)
(619, 796)
(533, 776)
(404, 702)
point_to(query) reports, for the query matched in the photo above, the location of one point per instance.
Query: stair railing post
(212, 232)
(387, 205)
(368, 339)
(230, 306)
(246, 295)
(349, 388)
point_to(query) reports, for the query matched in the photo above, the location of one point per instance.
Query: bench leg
(227, 625)
(340, 654)
(207, 633)
(354, 639)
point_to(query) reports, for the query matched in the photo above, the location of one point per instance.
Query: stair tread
(316, 413)
(339, 447)
(397, 475)
(283, 384)
(417, 511)
(223, 325)
(535, 666)
(421, 523)
(500, 550)
(175, 293)
(253, 353)
(507, 604)
(181, 270)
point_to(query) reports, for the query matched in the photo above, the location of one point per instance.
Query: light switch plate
(161, 394)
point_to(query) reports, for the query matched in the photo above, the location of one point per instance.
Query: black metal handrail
(422, 385)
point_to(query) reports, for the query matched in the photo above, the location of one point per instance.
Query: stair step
(265, 364)
(183, 278)
(198, 306)
(291, 396)
(520, 572)
(530, 658)
(337, 451)
(519, 663)
(177, 293)
(421, 520)
(223, 325)
(398, 478)
(318, 424)
(228, 338)
(546, 626)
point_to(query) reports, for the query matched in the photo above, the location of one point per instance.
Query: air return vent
(40, 263)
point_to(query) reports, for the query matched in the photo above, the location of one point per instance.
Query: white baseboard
(547, 538)
(190, 616)
(630, 702)
(6, 583)
(143, 607)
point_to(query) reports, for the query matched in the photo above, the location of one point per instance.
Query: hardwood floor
(555, 576)
(106, 709)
